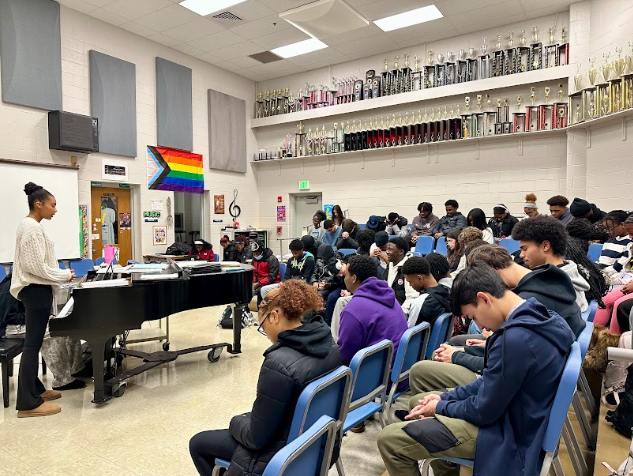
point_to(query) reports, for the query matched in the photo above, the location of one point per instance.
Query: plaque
(577, 108)
(490, 119)
(547, 115)
(518, 122)
(358, 90)
(532, 118)
(561, 118)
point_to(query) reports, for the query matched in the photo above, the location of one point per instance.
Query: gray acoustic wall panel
(174, 113)
(227, 132)
(113, 102)
(31, 53)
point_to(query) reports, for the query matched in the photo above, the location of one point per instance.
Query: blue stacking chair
(440, 246)
(424, 245)
(590, 313)
(595, 250)
(326, 396)
(510, 245)
(81, 267)
(370, 377)
(282, 270)
(362, 226)
(3, 272)
(61, 265)
(101, 260)
(216, 257)
(442, 328)
(347, 251)
(309, 455)
(557, 416)
(411, 349)
(415, 253)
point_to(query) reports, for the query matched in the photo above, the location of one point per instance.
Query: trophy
(450, 69)
(479, 97)
(546, 113)
(300, 141)
(560, 110)
(467, 104)
(498, 59)
(551, 50)
(404, 84)
(602, 99)
(461, 67)
(522, 55)
(563, 49)
(498, 127)
(518, 121)
(616, 89)
(536, 52)
(429, 71)
(605, 69)
(532, 113)
(416, 76)
(483, 62)
(627, 81)
(471, 65)
(439, 77)
(386, 80)
(509, 61)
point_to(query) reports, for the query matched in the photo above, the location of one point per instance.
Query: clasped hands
(426, 407)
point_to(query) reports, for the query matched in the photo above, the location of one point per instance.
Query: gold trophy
(519, 102)
(479, 102)
(592, 74)
(547, 89)
(532, 95)
(616, 85)
(535, 34)
(578, 79)
(467, 104)
(606, 67)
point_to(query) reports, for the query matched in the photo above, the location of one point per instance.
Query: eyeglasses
(265, 303)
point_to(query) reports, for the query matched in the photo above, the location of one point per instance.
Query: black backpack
(179, 248)
(226, 321)
(622, 417)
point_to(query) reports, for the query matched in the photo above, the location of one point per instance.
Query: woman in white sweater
(36, 277)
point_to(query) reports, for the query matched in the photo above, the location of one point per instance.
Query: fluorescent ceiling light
(300, 48)
(204, 7)
(412, 17)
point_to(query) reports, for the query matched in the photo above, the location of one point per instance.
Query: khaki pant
(402, 445)
(429, 375)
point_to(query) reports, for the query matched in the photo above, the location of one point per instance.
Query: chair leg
(10, 367)
(339, 467)
(586, 391)
(584, 423)
(557, 468)
(575, 455)
(216, 470)
(5, 382)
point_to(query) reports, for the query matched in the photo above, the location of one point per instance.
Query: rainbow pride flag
(174, 170)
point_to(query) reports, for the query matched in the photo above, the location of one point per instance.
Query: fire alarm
(279, 230)
(279, 199)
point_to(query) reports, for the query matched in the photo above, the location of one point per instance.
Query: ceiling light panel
(412, 17)
(206, 7)
(300, 48)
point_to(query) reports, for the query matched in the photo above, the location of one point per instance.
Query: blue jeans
(329, 306)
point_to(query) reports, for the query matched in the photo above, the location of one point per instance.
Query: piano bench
(9, 349)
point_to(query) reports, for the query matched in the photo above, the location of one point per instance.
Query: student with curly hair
(467, 236)
(301, 353)
(316, 230)
(529, 207)
(559, 210)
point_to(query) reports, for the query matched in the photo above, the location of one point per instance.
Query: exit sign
(304, 185)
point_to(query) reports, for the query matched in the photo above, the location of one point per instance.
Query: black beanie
(382, 237)
(308, 242)
(579, 207)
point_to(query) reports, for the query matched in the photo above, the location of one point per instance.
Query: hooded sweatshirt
(302, 268)
(424, 226)
(400, 228)
(581, 286)
(331, 238)
(511, 402)
(429, 305)
(405, 294)
(373, 314)
(447, 224)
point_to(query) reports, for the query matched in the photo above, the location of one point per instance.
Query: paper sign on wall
(156, 205)
(328, 211)
(281, 213)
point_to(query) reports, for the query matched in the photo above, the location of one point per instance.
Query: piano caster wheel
(166, 346)
(121, 390)
(214, 355)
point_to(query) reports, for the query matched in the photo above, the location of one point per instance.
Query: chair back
(590, 313)
(61, 264)
(328, 395)
(282, 270)
(415, 253)
(370, 373)
(411, 349)
(81, 267)
(562, 400)
(424, 245)
(347, 251)
(3, 272)
(440, 246)
(510, 245)
(441, 329)
(594, 252)
(99, 261)
(307, 455)
(216, 257)
(584, 338)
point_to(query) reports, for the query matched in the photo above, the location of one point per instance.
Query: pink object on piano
(108, 253)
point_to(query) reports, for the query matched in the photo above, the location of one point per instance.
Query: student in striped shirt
(616, 252)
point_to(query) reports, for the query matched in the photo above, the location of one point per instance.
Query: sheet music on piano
(111, 283)
(67, 309)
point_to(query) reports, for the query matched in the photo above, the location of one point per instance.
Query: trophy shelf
(394, 151)
(502, 82)
(602, 121)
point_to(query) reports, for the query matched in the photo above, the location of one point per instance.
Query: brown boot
(360, 428)
(44, 409)
(49, 395)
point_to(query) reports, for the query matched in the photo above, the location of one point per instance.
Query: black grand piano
(100, 314)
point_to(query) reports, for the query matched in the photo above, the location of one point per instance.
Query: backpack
(622, 417)
(226, 321)
(179, 248)
(615, 375)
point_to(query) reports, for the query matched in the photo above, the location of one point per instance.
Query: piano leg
(99, 346)
(237, 328)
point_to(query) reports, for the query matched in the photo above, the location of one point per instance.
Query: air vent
(265, 57)
(227, 19)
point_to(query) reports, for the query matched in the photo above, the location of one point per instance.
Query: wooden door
(111, 222)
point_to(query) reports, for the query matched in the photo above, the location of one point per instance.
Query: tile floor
(146, 432)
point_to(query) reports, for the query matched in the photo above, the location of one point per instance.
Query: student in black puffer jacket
(301, 353)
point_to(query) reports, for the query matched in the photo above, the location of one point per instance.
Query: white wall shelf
(529, 77)
(394, 151)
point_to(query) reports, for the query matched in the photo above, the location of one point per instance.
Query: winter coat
(448, 224)
(299, 357)
(204, 255)
(11, 310)
(266, 270)
(503, 228)
(511, 402)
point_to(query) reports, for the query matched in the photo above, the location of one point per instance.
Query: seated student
(477, 218)
(310, 245)
(265, 267)
(577, 252)
(499, 419)
(299, 266)
(203, 251)
(502, 223)
(228, 249)
(397, 225)
(558, 209)
(580, 208)
(332, 233)
(434, 299)
(397, 250)
(454, 250)
(424, 222)
(347, 237)
(365, 238)
(376, 223)
(440, 269)
(301, 353)
(467, 236)
(530, 208)
(244, 253)
(340, 296)
(616, 252)
(316, 230)
(63, 355)
(379, 250)
(543, 241)
(322, 255)
(453, 220)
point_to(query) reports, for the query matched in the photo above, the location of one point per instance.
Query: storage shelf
(403, 148)
(529, 77)
(604, 120)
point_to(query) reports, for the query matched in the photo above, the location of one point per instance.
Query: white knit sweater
(34, 261)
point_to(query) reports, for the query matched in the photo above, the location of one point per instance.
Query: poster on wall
(281, 213)
(160, 235)
(84, 233)
(218, 204)
(114, 170)
(328, 211)
(125, 221)
(174, 170)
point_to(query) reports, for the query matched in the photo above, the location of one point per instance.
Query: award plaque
(367, 89)
(560, 119)
(358, 90)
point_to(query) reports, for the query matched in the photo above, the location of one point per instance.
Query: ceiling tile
(193, 30)
(251, 75)
(217, 40)
(491, 14)
(283, 5)
(357, 34)
(263, 26)
(367, 44)
(450, 8)
(79, 5)
(167, 18)
(328, 55)
(278, 68)
(163, 39)
(385, 8)
(245, 62)
(133, 9)
(138, 29)
(229, 66)
(237, 50)
(209, 58)
(251, 10)
(99, 3)
(108, 17)
(188, 49)
(487, 24)
(281, 38)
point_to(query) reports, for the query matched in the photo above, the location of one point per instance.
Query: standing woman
(36, 277)
(337, 215)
